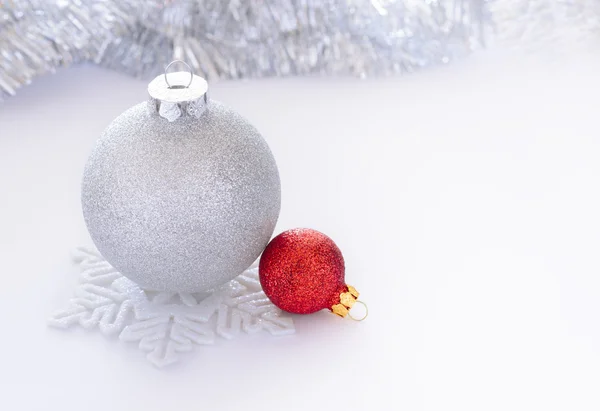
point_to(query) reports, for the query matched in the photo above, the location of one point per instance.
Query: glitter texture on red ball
(302, 271)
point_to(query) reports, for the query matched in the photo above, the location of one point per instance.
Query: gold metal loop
(366, 312)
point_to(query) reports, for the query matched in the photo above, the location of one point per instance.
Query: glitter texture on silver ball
(181, 206)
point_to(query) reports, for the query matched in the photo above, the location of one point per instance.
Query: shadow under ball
(184, 205)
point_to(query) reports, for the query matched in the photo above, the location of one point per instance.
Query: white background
(466, 202)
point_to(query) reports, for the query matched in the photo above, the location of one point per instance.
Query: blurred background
(449, 147)
(246, 39)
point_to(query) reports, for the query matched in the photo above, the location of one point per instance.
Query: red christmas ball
(302, 271)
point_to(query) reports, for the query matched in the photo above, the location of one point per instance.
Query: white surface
(465, 200)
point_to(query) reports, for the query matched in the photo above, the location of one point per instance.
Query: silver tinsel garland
(540, 24)
(253, 38)
(235, 38)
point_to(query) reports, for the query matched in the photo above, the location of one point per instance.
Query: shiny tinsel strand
(534, 25)
(37, 36)
(234, 39)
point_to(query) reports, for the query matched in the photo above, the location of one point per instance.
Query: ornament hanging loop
(178, 86)
(172, 101)
(364, 316)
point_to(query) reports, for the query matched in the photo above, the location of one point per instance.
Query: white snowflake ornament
(167, 324)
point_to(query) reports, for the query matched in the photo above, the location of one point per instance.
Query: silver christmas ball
(182, 202)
